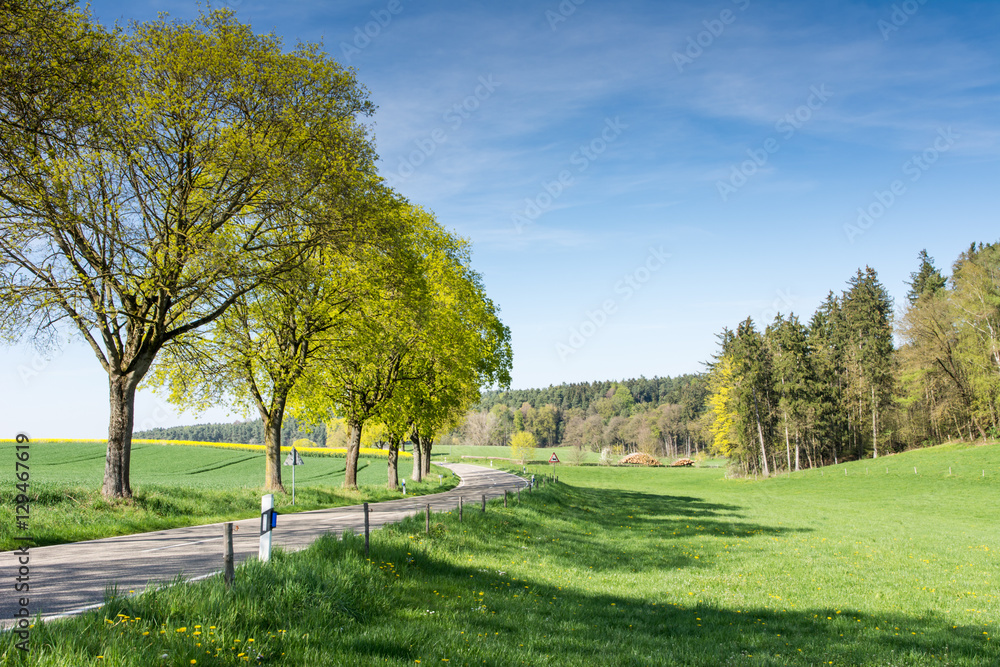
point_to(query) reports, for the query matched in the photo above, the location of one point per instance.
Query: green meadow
(179, 485)
(868, 563)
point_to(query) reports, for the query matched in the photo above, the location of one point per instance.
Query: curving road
(69, 578)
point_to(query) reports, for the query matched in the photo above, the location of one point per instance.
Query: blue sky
(634, 176)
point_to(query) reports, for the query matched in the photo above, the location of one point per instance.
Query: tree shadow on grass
(609, 530)
(502, 621)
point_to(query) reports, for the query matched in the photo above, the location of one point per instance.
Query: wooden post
(428, 519)
(505, 498)
(366, 530)
(227, 555)
(484, 503)
(460, 509)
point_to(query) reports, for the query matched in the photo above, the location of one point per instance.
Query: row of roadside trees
(840, 388)
(202, 208)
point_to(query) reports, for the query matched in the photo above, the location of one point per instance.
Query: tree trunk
(797, 451)
(874, 426)
(272, 449)
(353, 448)
(979, 428)
(393, 460)
(118, 458)
(788, 448)
(760, 433)
(418, 466)
(425, 455)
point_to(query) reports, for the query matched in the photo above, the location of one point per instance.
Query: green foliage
(661, 417)
(523, 445)
(926, 281)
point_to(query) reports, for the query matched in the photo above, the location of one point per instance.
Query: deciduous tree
(178, 188)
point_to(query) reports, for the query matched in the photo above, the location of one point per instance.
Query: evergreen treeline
(248, 432)
(683, 389)
(797, 395)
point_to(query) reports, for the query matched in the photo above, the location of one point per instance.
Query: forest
(662, 416)
(857, 382)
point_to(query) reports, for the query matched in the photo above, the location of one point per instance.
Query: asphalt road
(70, 578)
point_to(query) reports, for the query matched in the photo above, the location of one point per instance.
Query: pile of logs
(638, 458)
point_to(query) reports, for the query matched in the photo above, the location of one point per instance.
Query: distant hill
(686, 390)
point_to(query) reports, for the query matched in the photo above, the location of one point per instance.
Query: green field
(177, 485)
(615, 567)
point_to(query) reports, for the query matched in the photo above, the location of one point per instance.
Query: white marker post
(266, 512)
(293, 460)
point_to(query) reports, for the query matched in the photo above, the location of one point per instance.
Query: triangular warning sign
(293, 459)
(553, 458)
